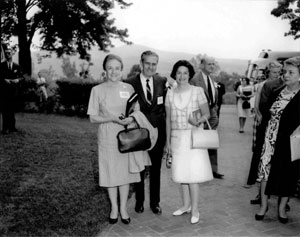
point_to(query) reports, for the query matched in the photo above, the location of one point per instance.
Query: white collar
(143, 78)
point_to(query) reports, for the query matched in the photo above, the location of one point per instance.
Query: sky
(218, 28)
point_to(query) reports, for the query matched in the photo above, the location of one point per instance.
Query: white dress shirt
(144, 82)
(212, 85)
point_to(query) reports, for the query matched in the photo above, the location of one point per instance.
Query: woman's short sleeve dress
(113, 165)
(188, 165)
(244, 113)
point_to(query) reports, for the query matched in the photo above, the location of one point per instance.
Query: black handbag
(133, 139)
(246, 104)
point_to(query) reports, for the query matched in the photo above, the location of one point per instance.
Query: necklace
(291, 90)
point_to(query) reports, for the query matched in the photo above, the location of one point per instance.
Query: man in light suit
(203, 79)
(10, 77)
(151, 89)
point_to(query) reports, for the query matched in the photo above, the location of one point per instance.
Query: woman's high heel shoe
(112, 220)
(260, 217)
(195, 219)
(126, 221)
(180, 212)
(283, 220)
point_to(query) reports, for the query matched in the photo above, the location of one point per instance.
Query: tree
(64, 26)
(289, 10)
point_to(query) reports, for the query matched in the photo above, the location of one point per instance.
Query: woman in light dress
(107, 103)
(189, 166)
(244, 93)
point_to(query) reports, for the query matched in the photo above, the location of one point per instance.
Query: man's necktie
(149, 95)
(209, 89)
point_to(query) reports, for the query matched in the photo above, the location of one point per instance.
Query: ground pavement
(224, 205)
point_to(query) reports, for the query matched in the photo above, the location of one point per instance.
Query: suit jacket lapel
(203, 85)
(141, 90)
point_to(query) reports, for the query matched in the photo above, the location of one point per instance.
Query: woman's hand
(193, 121)
(124, 121)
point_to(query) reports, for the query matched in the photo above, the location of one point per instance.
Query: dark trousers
(8, 115)
(213, 154)
(154, 177)
(256, 155)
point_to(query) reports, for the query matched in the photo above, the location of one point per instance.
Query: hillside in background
(131, 55)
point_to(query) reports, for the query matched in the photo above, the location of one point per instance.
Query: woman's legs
(113, 197)
(282, 207)
(124, 190)
(264, 199)
(185, 197)
(194, 192)
(242, 123)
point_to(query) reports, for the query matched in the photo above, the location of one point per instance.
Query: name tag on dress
(124, 94)
(160, 100)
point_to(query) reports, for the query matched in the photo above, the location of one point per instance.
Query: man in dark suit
(10, 77)
(151, 89)
(203, 79)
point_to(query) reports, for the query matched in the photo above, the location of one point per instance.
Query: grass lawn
(47, 185)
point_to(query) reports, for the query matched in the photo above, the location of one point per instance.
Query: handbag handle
(137, 124)
(208, 124)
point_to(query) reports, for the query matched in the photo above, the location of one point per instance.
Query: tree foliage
(65, 27)
(289, 10)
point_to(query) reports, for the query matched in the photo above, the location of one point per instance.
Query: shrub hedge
(70, 96)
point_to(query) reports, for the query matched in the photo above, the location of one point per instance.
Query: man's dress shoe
(156, 209)
(139, 208)
(217, 175)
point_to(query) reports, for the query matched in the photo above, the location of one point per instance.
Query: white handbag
(205, 139)
(295, 144)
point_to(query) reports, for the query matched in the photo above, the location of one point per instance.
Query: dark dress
(284, 173)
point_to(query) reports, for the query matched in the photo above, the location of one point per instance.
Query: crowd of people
(171, 111)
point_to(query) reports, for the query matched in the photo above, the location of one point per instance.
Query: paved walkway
(224, 205)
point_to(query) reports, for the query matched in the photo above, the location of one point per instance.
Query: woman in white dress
(244, 93)
(189, 166)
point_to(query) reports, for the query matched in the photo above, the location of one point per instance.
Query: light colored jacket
(139, 159)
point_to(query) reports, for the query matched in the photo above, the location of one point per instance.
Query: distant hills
(131, 55)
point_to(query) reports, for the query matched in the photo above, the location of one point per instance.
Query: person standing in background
(221, 91)
(244, 93)
(151, 89)
(204, 80)
(10, 77)
(265, 94)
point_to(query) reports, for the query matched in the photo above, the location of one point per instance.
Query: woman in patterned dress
(276, 172)
(189, 166)
(107, 103)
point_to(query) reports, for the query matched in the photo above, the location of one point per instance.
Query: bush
(73, 96)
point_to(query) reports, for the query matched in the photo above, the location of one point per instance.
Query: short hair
(271, 65)
(206, 58)
(148, 53)
(111, 57)
(246, 79)
(294, 61)
(184, 63)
